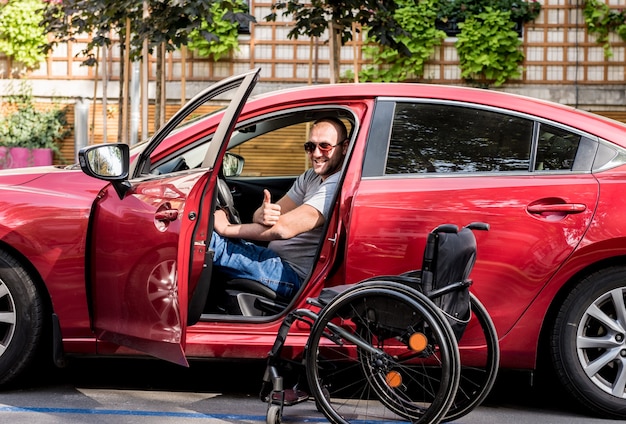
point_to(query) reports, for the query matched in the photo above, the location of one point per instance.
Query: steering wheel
(225, 201)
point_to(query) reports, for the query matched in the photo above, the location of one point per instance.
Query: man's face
(326, 162)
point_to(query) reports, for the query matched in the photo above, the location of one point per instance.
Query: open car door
(145, 236)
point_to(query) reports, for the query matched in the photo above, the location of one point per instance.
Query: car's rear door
(455, 163)
(145, 242)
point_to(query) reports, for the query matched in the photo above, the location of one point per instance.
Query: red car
(119, 264)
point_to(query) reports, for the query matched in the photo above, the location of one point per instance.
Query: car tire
(21, 318)
(588, 343)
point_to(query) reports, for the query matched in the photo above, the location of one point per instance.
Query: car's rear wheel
(21, 318)
(588, 342)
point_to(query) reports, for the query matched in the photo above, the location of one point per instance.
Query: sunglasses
(310, 147)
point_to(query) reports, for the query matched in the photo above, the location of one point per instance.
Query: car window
(446, 138)
(183, 160)
(271, 146)
(186, 127)
(556, 149)
(274, 147)
(276, 153)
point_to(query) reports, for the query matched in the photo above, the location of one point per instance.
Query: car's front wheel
(588, 342)
(21, 318)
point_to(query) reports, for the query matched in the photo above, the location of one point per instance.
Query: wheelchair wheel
(382, 352)
(480, 358)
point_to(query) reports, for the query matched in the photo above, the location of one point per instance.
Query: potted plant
(29, 136)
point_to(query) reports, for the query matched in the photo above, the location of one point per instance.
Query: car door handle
(166, 215)
(566, 208)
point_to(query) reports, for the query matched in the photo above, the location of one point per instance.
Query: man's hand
(269, 212)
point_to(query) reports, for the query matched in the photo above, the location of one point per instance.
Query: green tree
(313, 18)
(168, 22)
(601, 20)
(21, 35)
(417, 18)
(159, 23)
(489, 48)
(460, 10)
(219, 37)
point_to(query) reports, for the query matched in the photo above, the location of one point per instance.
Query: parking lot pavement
(69, 405)
(149, 392)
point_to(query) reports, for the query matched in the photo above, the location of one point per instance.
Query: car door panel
(149, 238)
(134, 246)
(516, 258)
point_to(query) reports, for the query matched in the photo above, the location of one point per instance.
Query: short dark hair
(342, 131)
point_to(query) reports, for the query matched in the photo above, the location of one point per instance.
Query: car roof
(591, 123)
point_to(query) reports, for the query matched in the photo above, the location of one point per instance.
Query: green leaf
(20, 32)
(489, 48)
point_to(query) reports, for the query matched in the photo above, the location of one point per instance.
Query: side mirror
(109, 162)
(232, 165)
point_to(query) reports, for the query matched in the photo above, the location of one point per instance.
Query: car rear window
(446, 138)
(556, 149)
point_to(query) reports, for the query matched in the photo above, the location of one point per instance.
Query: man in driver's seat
(292, 226)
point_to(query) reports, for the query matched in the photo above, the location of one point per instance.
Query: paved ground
(141, 392)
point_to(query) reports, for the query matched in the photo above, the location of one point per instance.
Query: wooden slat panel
(617, 115)
(277, 153)
(66, 147)
(96, 121)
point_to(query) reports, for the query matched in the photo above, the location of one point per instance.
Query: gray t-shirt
(299, 251)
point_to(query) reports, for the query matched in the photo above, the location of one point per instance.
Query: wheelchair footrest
(288, 397)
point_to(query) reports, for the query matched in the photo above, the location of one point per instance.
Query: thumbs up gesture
(269, 212)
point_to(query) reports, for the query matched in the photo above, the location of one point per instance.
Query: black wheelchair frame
(387, 348)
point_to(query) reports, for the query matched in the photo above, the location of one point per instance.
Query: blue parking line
(190, 415)
(127, 412)
(130, 412)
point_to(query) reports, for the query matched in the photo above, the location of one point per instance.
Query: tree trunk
(159, 111)
(334, 44)
(125, 77)
(105, 77)
(121, 102)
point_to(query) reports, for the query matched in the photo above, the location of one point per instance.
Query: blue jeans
(241, 259)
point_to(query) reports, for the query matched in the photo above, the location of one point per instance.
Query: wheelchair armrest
(483, 226)
(415, 273)
(448, 289)
(446, 228)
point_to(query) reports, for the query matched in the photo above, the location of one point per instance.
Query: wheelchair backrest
(448, 260)
(455, 255)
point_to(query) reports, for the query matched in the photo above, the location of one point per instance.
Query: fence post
(81, 125)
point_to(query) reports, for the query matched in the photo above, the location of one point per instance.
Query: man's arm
(296, 221)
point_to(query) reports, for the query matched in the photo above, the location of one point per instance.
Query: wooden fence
(557, 48)
(279, 152)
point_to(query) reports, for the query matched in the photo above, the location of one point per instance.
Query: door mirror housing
(108, 162)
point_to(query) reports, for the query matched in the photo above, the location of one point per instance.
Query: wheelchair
(416, 347)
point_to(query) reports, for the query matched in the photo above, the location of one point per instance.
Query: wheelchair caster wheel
(274, 415)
